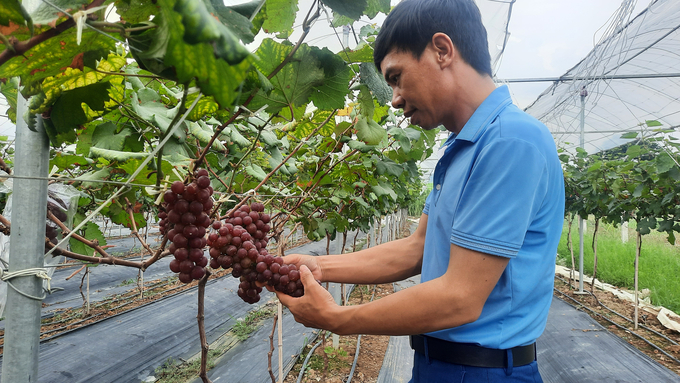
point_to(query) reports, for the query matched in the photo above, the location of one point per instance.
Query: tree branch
(87, 258)
(93, 244)
(271, 349)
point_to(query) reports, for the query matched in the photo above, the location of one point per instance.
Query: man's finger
(306, 276)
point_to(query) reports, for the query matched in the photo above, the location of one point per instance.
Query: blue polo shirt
(499, 189)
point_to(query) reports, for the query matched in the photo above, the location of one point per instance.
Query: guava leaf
(376, 83)
(350, 8)
(280, 15)
(331, 95)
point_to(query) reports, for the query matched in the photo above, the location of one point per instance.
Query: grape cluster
(185, 221)
(240, 243)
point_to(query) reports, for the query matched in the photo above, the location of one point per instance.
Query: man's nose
(397, 100)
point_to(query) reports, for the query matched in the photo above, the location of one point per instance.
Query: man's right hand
(310, 261)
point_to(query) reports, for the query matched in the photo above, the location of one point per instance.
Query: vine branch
(201, 328)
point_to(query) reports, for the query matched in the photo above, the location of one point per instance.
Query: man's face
(416, 86)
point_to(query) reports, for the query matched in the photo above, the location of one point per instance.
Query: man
(486, 243)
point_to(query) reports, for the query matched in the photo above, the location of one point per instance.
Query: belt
(468, 354)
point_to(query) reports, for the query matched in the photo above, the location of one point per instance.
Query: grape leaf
(331, 95)
(115, 155)
(362, 53)
(238, 23)
(214, 76)
(43, 13)
(91, 232)
(294, 83)
(67, 112)
(10, 10)
(375, 82)
(350, 8)
(53, 56)
(204, 133)
(375, 6)
(135, 11)
(280, 15)
(369, 131)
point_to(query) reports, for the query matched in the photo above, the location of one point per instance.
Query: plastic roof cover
(648, 44)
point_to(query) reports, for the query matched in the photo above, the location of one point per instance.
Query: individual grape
(185, 277)
(195, 254)
(181, 254)
(294, 275)
(203, 262)
(181, 206)
(186, 266)
(174, 266)
(214, 264)
(169, 197)
(200, 173)
(198, 272)
(203, 182)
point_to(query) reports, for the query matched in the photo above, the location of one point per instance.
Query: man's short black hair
(412, 23)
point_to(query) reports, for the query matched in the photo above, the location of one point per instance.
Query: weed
(244, 327)
(128, 282)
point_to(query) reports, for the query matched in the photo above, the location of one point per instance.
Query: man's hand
(310, 261)
(316, 308)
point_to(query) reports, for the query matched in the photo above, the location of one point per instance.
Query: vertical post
(581, 222)
(22, 331)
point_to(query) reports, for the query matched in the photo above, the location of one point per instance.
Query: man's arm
(388, 262)
(454, 299)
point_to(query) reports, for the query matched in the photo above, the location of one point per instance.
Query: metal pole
(581, 222)
(27, 241)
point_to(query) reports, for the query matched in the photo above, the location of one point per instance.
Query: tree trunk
(637, 266)
(597, 225)
(570, 245)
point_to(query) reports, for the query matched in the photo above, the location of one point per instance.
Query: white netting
(649, 44)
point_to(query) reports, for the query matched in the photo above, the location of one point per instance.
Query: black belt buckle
(468, 354)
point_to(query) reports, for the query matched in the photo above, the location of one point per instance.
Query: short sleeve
(505, 189)
(426, 208)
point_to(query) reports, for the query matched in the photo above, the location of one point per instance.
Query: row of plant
(297, 129)
(638, 181)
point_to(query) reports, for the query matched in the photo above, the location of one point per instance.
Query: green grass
(244, 327)
(659, 261)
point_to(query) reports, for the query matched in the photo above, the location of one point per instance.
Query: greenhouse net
(631, 78)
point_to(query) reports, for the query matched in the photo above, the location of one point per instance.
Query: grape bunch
(240, 243)
(185, 221)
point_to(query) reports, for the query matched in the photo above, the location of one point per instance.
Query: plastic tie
(36, 271)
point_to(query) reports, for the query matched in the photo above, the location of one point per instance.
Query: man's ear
(444, 48)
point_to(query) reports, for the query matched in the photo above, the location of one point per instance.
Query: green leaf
(638, 190)
(201, 27)
(65, 161)
(388, 166)
(94, 175)
(280, 15)
(294, 83)
(375, 6)
(52, 56)
(269, 138)
(331, 95)
(67, 112)
(350, 8)
(366, 101)
(360, 146)
(369, 131)
(653, 123)
(214, 76)
(43, 13)
(204, 133)
(115, 155)
(236, 136)
(135, 11)
(363, 53)
(633, 151)
(10, 90)
(376, 83)
(91, 232)
(10, 10)
(256, 171)
(237, 22)
(629, 135)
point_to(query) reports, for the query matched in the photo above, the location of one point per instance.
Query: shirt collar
(487, 111)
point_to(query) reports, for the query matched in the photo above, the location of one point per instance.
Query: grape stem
(201, 328)
(271, 349)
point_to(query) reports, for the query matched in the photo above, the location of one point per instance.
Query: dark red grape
(185, 277)
(174, 266)
(198, 272)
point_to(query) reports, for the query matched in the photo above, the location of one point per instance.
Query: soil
(339, 361)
